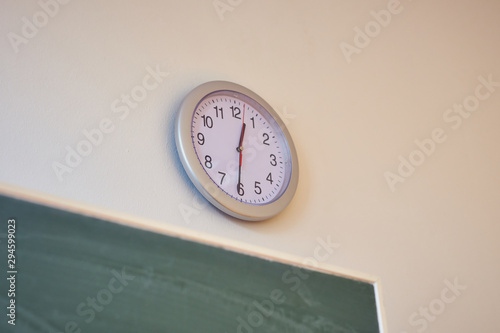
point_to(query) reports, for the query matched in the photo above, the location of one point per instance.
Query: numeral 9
(201, 139)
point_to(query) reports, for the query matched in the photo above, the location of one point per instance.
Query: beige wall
(355, 105)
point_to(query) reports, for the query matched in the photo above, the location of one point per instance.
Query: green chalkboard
(76, 273)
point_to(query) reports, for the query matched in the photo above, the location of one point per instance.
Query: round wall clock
(236, 150)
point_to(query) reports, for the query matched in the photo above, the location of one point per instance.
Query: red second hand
(241, 137)
(240, 150)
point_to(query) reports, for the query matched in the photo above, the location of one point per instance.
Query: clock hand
(240, 149)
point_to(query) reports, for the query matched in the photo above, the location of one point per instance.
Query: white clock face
(241, 147)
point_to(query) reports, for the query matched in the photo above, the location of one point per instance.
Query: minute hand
(240, 149)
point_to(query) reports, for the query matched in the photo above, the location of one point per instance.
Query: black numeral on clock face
(266, 139)
(201, 139)
(258, 189)
(208, 161)
(217, 110)
(241, 191)
(273, 160)
(207, 121)
(269, 178)
(236, 112)
(223, 175)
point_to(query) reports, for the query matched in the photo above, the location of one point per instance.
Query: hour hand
(239, 149)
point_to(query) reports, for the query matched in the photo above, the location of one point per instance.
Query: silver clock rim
(199, 177)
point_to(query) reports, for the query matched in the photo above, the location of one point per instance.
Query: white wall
(350, 121)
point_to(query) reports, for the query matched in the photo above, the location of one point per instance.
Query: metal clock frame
(198, 176)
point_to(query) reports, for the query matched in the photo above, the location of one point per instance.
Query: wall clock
(236, 150)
